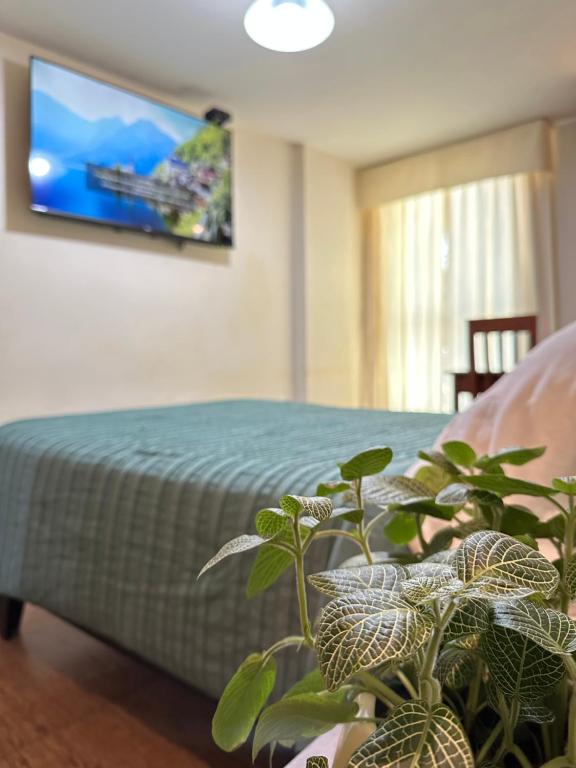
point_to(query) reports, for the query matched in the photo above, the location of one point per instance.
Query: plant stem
(428, 689)
(337, 532)
(421, 539)
(284, 643)
(361, 530)
(406, 683)
(520, 756)
(376, 720)
(380, 689)
(552, 500)
(509, 720)
(376, 519)
(571, 747)
(568, 553)
(473, 696)
(301, 585)
(365, 547)
(489, 743)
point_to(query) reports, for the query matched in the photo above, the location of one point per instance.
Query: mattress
(106, 519)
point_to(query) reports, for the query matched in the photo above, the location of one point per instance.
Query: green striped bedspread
(106, 519)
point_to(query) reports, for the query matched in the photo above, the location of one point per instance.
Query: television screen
(104, 154)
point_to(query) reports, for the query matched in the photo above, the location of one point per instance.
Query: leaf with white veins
(416, 735)
(234, 547)
(550, 629)
(318, 507)
(520, 668)
(345, 581)
(496, 556)
(424, 589)
(363, 630)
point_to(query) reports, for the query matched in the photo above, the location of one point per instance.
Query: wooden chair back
(497, 327)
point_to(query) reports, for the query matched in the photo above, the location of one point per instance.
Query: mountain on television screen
(103, 154)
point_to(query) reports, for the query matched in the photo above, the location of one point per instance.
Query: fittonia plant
(469, 649)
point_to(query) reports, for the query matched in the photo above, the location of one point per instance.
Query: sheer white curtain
(434, 261)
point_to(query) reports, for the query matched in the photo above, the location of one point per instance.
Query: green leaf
(456, 667)
(425, 507)
(402, 528)
(347, 581)
(488, 558)
(551, 629)
(269, 522)
(459, 453)
(517, 520)
(234, 547)
(270, 563)
(301, 717)
(317, 762)
(365, 630)
(318, 507)
(459, 494)
(565, 485)
(440, 541)
(508, 486)
(332, 489)
(520, 668)
(433, 477)
(350, 515)
(313, 682)
(242, 701)
(439, 460)
(416, 735)
(525, 538)
(370, 462)
(555, 528)
(514, 456)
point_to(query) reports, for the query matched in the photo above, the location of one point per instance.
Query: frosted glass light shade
(289, 25)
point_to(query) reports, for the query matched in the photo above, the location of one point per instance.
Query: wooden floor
(70, 701)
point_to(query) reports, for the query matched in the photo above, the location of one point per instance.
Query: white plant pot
(339, 744)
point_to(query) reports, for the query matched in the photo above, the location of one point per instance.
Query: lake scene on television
(103, 154)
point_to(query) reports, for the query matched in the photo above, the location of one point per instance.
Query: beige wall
(332, 280)
(93, 319)
(566, 220)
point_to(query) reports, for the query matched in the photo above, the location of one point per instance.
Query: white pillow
(533, 405)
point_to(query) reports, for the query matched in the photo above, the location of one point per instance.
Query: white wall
(93, 319)
(566, 220)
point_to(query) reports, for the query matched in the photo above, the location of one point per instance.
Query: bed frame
(10, 616)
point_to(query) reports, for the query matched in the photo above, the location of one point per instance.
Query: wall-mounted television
(103, 154)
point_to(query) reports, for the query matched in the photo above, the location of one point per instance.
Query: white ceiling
(397, 76)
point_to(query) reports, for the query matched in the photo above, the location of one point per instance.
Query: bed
(106, 519)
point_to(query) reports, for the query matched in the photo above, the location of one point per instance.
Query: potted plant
(467, 645)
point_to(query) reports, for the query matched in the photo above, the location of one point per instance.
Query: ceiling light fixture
(289, 25)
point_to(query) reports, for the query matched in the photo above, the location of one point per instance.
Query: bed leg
(10, 616)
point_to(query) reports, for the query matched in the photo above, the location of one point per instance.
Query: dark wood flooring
(68, 700)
